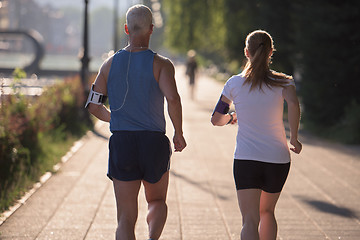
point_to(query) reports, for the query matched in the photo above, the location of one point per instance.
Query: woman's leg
(249, 202)
(268, 225)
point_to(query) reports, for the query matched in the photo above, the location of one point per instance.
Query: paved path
(320, 199)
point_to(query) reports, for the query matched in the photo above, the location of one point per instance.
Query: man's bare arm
(167, 84)
(100, 111)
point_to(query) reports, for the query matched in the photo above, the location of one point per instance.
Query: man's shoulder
(162, 59)
(106, 65)
(161, 62)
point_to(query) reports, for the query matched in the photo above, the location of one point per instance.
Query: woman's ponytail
(259, 47)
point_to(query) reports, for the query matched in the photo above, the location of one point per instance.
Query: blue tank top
(136, 101)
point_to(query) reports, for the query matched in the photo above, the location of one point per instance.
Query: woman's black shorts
(270, 177)
(137, 155)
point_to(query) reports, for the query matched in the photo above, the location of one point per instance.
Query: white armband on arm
(95, 97)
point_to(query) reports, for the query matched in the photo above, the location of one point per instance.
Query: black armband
(221, 107)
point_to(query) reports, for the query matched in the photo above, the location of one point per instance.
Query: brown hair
(259, 45)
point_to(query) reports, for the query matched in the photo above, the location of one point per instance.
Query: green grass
(36, 132)
(53, 148)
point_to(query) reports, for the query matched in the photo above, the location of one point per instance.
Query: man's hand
(179, 142)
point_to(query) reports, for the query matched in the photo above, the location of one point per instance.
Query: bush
(329, 76)
(348, 130)
(26, 123)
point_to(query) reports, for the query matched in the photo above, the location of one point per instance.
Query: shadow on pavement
(197, 184)
(100, 135)
(330, 208)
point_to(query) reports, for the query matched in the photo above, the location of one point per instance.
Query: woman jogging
(262, 156)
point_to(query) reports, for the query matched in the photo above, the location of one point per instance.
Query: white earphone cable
(127, 86)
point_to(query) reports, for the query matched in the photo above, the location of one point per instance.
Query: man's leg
(249, 201)
(268, 225)
(157, 209)
(126, 194)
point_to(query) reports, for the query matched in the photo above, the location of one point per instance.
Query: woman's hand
(234, 120)
(297, 146)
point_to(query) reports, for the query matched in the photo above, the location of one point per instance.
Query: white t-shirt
(261, 134)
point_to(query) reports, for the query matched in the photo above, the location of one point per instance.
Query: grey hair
(138, 19)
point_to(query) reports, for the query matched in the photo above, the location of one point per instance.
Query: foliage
(348, 129)
(217, 28)
(196, 25)
(316, 41)
(28, 126)
(329, 59)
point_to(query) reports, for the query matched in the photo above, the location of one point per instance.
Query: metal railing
(37, 41)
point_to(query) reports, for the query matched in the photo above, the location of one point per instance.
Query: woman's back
(261, 134)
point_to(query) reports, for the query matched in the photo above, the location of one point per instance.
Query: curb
(43, 179)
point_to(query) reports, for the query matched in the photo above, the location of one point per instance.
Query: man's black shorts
(138, 155)
(270, 177)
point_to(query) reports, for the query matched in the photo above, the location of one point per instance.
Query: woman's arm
(289, 94)
(219, 119)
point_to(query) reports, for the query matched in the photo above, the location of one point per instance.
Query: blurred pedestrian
(191, 67)
(136, 80)
(262, 156)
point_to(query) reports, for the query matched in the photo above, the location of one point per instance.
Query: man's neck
(137, 44)
(135, 48)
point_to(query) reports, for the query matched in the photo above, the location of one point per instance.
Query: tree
(240, 20)
(318, 40)
(329, 57)
(195, 25)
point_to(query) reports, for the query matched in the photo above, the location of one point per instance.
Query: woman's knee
(251, 219)
(267, 213)
(250, 227)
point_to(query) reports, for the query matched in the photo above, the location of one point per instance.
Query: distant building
(4, 14)
(60, 36)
